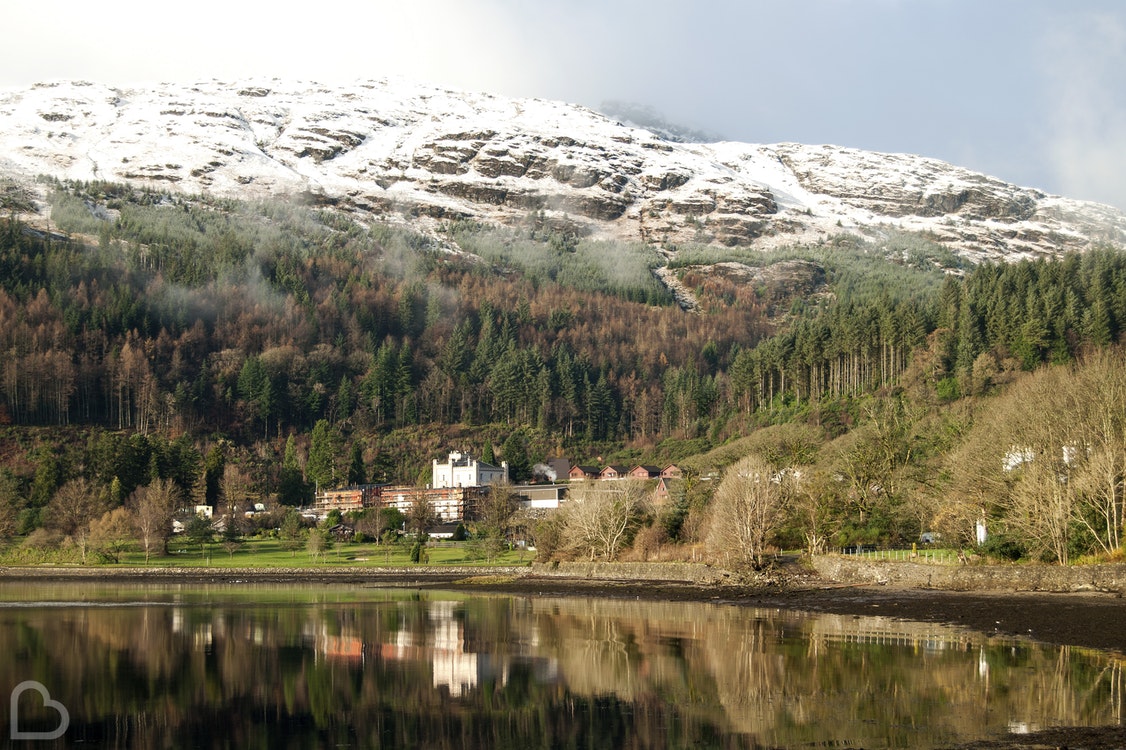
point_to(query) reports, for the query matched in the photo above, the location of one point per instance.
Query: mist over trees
(185, 336)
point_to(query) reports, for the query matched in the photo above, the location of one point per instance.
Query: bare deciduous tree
(73, 507)
(420, 515)
(152, 508)
(112, 533)
(494, 518)
(1041, 509)
(814, 507)
(599, 518)
(235, 488)
(1048, 459)
(748, 507)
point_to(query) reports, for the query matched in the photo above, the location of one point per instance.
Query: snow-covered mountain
(397, 148)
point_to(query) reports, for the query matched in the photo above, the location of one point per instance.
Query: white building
(466, 471)
(541, 496)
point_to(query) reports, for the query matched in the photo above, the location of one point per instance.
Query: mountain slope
(395, 149)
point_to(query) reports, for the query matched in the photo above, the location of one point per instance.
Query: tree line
(302, 339)
(286, 316)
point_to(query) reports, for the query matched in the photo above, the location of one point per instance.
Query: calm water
(299, 666)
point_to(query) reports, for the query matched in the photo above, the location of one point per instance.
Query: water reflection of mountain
(380, 668)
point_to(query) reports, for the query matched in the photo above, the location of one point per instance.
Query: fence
(926, 555)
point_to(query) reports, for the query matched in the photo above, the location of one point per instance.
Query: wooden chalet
(580, 473)
(614, 471)
(644, 472)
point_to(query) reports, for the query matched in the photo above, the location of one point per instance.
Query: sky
(1030, 91)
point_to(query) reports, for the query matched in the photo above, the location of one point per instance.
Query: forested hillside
(148, 332)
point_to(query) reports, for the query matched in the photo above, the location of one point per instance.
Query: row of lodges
(458, 484)
(579, 473)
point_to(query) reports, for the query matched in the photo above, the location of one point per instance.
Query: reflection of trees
(295, 668)
(782, 678)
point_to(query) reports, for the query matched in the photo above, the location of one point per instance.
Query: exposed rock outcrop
(436, 155)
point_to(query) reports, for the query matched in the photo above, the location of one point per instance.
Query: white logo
(64, 715)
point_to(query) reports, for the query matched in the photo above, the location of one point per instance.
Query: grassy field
(270, 553)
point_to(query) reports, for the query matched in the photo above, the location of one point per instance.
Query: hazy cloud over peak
(1025, 90)
(1087, 126)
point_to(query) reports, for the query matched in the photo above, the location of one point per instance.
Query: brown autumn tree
(1045, 462)
(600, 518)
(749, 506)
(72, 508)
(152, 509)
(112, 533)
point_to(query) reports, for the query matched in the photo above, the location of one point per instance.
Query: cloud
(1087, 107)
(449, 42)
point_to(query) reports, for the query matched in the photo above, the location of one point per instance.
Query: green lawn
(269, 553)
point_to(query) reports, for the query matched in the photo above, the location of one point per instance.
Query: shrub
(1003, 548)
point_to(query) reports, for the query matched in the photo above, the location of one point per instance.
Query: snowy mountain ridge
(396, 148)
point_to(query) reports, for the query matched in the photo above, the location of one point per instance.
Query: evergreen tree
(292, 488)
(291, 531)
(357, 474)
(515, 452)
(116, 493)
(344, 399)
(213, 467)
(321, 466)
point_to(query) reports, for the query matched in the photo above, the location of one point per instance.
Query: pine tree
(292, 489)
(213, 468)
(515, 452)
(357, 474)
(321, 466)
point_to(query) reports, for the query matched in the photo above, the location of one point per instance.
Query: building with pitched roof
(462, 470)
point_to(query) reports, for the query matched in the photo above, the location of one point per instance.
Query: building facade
(450, 504)
(345, 499)
(465, 471)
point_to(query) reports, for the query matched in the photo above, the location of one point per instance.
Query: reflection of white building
(200, 633)
(466, 471)
(451, 664)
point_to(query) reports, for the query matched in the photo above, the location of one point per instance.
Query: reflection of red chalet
(644, 472)
(343, 647)
(579, 473)
(614, 471)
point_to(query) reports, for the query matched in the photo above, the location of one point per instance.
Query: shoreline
(1089, 619)
(1085, 619)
